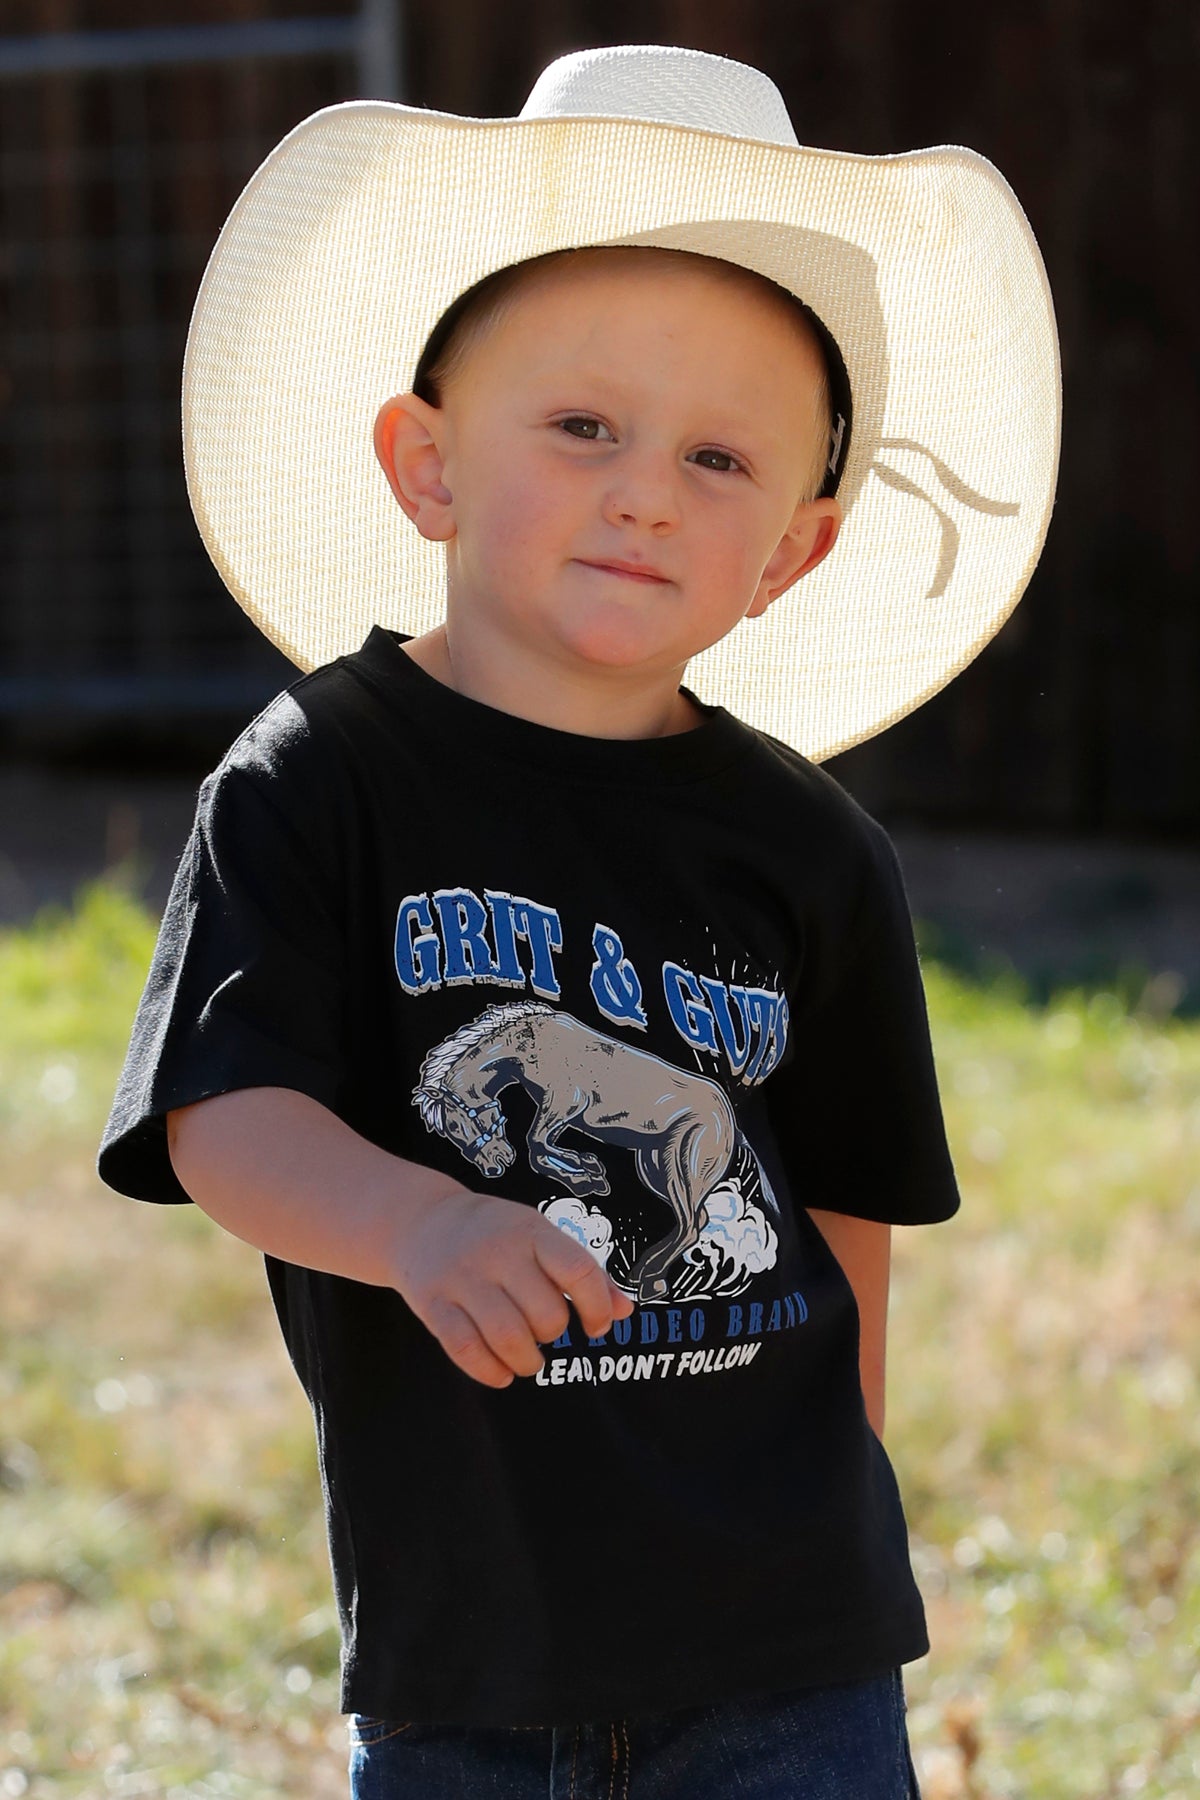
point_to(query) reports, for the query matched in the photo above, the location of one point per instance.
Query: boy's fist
(490, 1278)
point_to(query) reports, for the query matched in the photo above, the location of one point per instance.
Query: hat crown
(665, 86)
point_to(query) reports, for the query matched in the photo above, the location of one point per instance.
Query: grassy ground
(166, 1626)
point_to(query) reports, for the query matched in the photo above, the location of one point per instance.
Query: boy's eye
(720, 460)
(579, 425)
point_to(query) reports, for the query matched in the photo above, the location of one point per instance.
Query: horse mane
(439, 1063)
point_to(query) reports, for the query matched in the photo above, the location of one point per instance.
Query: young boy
(558, 1037)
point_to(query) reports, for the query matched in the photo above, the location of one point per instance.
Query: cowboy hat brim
(370, 218)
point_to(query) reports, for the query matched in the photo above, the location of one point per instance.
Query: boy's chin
(614, 655)
(624, 645)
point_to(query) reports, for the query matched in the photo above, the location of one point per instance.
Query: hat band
(841, 401)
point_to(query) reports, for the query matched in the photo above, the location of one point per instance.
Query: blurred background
(1047, 803)
(165, 1618)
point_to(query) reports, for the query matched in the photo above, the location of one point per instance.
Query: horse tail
(768, 1192)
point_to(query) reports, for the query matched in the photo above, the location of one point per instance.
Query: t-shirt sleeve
(245, 986)
(855, 1109)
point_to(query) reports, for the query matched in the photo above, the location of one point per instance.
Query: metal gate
(121, 152)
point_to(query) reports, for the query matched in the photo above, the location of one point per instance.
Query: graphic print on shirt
(453, 937)
(679, 1128)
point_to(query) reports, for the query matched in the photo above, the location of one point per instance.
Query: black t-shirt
(666, 991)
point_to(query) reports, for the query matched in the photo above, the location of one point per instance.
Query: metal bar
(379, 50)
(103, 696)
(148, 531)
(83, 52)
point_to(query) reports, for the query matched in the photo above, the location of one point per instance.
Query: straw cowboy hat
(370, 219)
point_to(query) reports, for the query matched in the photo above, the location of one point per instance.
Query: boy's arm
(488, 1277)
(864, 1249)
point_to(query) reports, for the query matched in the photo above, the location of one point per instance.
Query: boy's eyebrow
(572, 371)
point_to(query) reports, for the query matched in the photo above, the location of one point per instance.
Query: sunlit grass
(166, 1626)
(1044, 1402)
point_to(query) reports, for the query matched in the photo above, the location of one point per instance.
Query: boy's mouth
(632, 571)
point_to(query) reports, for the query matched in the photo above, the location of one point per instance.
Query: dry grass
(166, 1626)
(1044, 1406)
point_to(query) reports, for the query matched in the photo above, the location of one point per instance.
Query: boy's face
(617, 468)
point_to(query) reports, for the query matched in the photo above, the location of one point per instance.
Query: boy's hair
(469, 319)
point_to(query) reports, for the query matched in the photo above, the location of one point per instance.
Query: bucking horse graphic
(680, 1127)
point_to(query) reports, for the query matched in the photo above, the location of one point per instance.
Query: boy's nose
(643, 494)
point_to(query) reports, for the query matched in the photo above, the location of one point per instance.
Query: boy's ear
(807, 541)
(408, 443)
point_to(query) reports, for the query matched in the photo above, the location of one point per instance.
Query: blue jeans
(828, 1743)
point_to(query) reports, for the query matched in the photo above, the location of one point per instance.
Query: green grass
(1044, 1402)
(166, 1626)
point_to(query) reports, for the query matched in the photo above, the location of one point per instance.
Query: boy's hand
(490, 1279)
